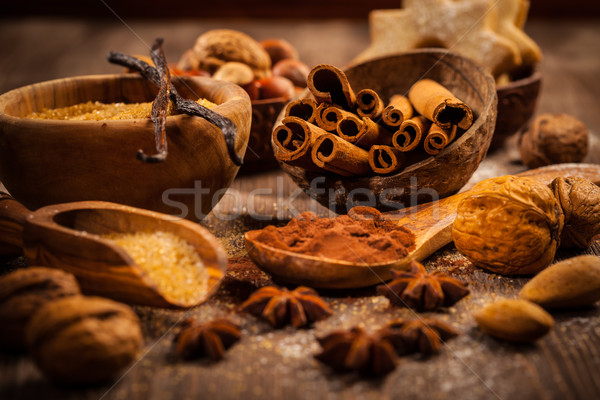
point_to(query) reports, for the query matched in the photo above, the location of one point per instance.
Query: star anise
(209, 339)
(355, 350)
(421, 291)
(299, 307)
(423, 335)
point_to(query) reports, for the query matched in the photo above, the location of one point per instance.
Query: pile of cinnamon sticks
(348, 133)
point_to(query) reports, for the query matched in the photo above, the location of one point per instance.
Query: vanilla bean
(182, 105)
(160, 106)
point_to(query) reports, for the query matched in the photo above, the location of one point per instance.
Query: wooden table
(271, 363)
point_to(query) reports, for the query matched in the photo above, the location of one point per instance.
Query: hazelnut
(276, 86)
(580, 202)
(22, 293)
(235, 72)
(230, 45)
(295, 70)
(253, 89)
(279, 49)
(83, 340)
(510, 225)
(188, 61)
(553, 139)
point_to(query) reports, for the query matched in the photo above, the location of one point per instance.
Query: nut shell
(294, 70)
(510, 226)
(554, 139)
(570, 283)
(231, 45)
(22, 293)
(279, 49)
(580, 201)
(514, 320)
(83, 340)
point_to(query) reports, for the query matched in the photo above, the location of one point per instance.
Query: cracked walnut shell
(510, 226)
(580, 202)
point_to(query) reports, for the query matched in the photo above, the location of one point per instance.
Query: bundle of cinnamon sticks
(358, 134)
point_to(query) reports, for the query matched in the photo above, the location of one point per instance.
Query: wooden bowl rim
(535, 77)
(205, 82)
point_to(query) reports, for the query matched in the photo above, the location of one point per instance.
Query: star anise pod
(422, 291)
(209, 339)
(423, 335)
(299, 307)
(355, 350)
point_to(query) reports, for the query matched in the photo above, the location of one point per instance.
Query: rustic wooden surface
(271, 363)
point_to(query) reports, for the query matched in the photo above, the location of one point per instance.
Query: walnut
(22, 293)
(510, 226)
(83, 340)
(553, 139)
(580, 201)
(230, 45)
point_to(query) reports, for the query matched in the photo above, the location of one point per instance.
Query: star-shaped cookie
(474, 28)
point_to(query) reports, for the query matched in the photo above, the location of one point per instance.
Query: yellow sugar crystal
(97, 111)
(170, 262)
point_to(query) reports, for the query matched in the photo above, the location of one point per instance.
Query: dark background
(258, 8)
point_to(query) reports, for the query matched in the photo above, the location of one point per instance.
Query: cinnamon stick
(409, 135)
(438, 138)
(329, 116)
(302, 108)
(385, 159)
(369, 104)
(334, 154)
(439, 105)
(398, 110)
(293, 140)
(329, 84)
(363, 132)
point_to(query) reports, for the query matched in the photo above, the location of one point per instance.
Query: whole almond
(567, 284)
(514, 320)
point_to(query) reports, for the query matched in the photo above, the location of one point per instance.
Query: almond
(514, 320)
(567, 284)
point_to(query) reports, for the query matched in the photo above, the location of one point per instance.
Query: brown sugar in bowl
(46, 162)
(433, 176)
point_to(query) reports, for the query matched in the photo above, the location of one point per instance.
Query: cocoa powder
(362, 236)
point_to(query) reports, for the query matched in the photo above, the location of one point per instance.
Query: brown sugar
(353, 238)
(97, 111)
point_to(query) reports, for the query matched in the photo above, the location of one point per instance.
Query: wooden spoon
(65, 236)
(431, 223)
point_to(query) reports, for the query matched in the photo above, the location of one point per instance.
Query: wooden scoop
(431, 223)
(65, 236)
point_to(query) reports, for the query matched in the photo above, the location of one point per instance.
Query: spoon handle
(13, 216)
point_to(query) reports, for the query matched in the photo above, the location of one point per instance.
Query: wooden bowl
(259, 155)
(432, 177)
(516, 105)
(46, 162)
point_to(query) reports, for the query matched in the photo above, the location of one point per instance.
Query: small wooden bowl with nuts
(516, 105)
(270, 71)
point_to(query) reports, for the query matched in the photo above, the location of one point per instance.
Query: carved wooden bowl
(516, 105)
(433, 176)
(46, 162)
(259, 155)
